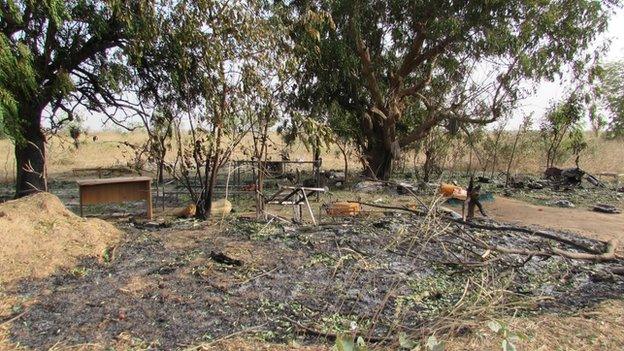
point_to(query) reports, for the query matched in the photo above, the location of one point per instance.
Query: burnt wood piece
(222, 258)
(552, 173)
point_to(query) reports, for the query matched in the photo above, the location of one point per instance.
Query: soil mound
(38, 235)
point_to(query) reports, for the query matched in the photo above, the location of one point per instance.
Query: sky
(536, 103)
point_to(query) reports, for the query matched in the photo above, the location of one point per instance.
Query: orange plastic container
(454, 191)
(344, 209)
(448, 189)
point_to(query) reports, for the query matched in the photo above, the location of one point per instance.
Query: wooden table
(115, 190)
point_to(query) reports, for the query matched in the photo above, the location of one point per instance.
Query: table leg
(80, 196)
(305, 197)
(149, 200)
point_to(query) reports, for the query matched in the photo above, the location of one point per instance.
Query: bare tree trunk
(495, 155)
(511, 158)
(428, 165)
(345, 158)
(213, 160)
(382, 146)
(469, 163)
(260, 155)
(161, 169)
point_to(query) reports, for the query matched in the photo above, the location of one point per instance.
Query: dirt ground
(577, 220)
(297, 286)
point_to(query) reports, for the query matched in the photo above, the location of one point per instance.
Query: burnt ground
(388, 274)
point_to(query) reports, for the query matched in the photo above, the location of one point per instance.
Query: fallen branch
(257, 276)
(208, 346)
(617, 270)
(541, 233)
(608, 255)
(506, 227)
(12, 319)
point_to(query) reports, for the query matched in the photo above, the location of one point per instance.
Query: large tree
(56, 55)
(449, 62)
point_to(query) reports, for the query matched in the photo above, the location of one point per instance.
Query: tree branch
(421, 84)
(367, 67)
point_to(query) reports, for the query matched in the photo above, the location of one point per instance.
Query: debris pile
(604, 208)
(38, 235)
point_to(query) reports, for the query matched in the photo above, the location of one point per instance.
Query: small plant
(348, 343)
(80, 272)
(75, 130)
(74, 133)
(508, 338)
(558, 128)
(107, 255)
(433, 344)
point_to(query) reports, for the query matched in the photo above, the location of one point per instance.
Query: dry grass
(38, 235)
(108, 150)
(599, 328)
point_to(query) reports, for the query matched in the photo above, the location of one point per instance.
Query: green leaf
(360, 344)
(405, 342)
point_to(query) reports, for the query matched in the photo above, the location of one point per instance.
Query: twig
(257, 276)
(13, 318)
(330, 336)
(229, 336)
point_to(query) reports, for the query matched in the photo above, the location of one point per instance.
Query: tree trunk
(382, 149)
(513, 153)
(345, 158)
(428, 165)
(30, 154)
(161, 169)
(379, 161)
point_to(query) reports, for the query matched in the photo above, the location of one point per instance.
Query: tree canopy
(56, 55)
(400, 67)
(381, 73)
